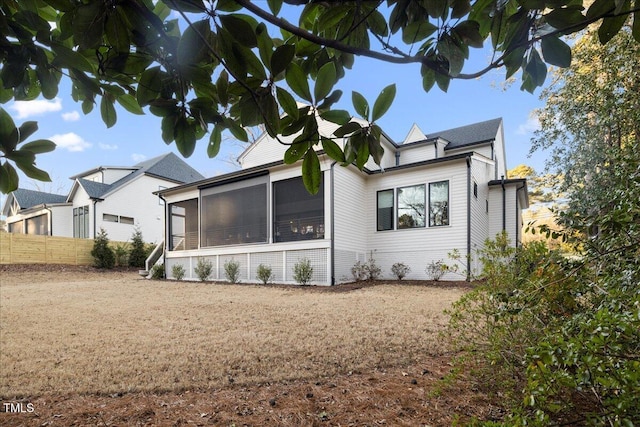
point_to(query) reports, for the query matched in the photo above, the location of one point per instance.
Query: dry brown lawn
(83, 333)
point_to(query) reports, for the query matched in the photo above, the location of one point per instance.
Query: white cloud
(138, 157)
(71, 142)
(107, 146)
(531, 125)
(34, 108)
(72, 116)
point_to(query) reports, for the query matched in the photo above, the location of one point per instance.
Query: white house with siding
(115, 198)
(433, 194)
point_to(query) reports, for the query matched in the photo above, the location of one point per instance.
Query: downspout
(504, 206)
(166, 234)
(397, 159)
(518, 215)
(333, 227)
(435, 147)
(50, 220)
(95, 217)
(468, 218)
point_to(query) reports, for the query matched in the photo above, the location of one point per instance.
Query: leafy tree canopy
(228, 65)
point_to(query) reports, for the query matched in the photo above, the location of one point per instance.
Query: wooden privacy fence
(32, 249)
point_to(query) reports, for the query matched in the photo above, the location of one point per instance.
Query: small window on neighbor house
(411, 206)
(385, 210)
(126, 220)
(438, 203)
(110, 218)
(486, 207)
(475, 189)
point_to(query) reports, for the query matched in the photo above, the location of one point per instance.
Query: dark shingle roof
(29, 198)
(170, 166)
(469, 134)
(167, 166)
(95, 190)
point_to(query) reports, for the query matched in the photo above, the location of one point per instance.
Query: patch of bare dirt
(396, 397)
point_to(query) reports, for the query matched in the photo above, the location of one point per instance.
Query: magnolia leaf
(130, 104)
(311, 174)
(417, 31)
(360, 104)
(149, 86)
(287, 102)
(556, 52)
(9, 136)
(239, 29)
(332, 150)
(281, 58)
(33, 172)
(236, 130)
(610, 27)
(383, 102)
(27, 129)
(297, 81)
(274, 6)
(8, 178)
(347, 129)
(108, 111)
(185, 136)
(215, 141)
(636, 25)
(39, 146)
(325, 81)
(340, 117)
(295, 152)
(193, 6)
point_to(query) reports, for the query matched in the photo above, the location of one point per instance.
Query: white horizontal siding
(418, 247)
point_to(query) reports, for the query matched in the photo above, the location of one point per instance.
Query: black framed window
(297, 214)
(385, 210)
(411, 206)
(438, 203)
(81, 222)
(183, 227)
(236, 216)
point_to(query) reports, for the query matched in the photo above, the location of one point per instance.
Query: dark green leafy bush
(103, 255)
(303, 271)
(138, 252)
(232, 271)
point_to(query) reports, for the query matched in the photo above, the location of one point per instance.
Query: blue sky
(84, 141)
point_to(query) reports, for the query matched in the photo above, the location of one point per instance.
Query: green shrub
(138, 253)
(232, 271)
(157, 272)
(400, 270)
(177, 271)
(203, 269)
(303, 271)
(264, 273)
(103, 255)
(121, 255)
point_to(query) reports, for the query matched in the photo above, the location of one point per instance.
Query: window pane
(439, 203)
(385, 210)
(183, 227)
(298, 215)
(411, 206)
(235, 217)
(110, 218)
(38, 225)
(126, 220)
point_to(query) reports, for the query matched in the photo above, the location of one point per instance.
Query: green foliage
(177, 271)
(121, 255)
(138, 253)
(157, 272)
(303, 271)
(135, 54)
(366, 271)
(103, 255)
(400, 270)
(232, 271)
(203, 269)
(264, 274)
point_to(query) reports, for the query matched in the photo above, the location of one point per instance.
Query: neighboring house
(118, 199)
(435, 193)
